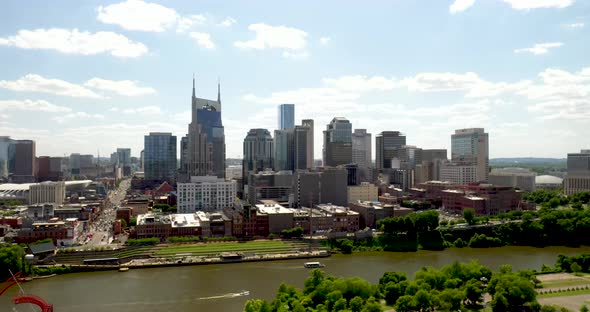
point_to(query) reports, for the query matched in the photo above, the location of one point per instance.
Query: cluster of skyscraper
(202, 150)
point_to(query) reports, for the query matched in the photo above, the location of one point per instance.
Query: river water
(217, 287)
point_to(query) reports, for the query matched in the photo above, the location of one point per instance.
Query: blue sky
(102, 74)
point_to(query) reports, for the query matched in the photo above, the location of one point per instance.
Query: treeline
(460, 286)
(554, 198)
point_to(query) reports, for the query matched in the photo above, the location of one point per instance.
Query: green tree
(339, 305)
(123, 223)
(469, 216)
(257, 305)
(404, 304)
(133, 222)
(356, 304)
(473, 292)
(450, 299)
(584, 308)
(11, 258)
(576, 268)
(372, 306)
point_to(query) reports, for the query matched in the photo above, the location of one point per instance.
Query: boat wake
(228, 295)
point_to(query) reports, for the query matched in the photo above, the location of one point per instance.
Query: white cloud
(138, 15)
(325, 40)
(460, 5)
(274, 37)
(76, 42)
(361, 83)
(295, 55)
(75, 116)
(37, 83)
(122, 87)
(203, 40)
(185, 23)
(146, 110)
(32, 105)
(228, 22)
(539, 48)
(538, 4)
(575, 25)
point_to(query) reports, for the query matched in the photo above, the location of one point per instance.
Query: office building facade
(206, 138)
(159, 158)
(472, 146)
(286, 116)
(386, 144)
(520, 178)
(206, 193)
(578, 173)
(21, 161)
(338, 142)
(47, 192)
(258, 152)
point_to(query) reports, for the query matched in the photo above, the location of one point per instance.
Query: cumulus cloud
(275, 37)
(146, 110)
(138, 15)
(121, 87)
(203, 40)
(361, 83)
(37, 83)
(538, 4)
(188, 22)
(76, 116)
(32, 105)
(460, 5)
(228, 22)
(73, 41)
(325, 40)
(539, 48)
(575, 25)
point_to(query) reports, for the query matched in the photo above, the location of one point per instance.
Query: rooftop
(548, 179)
(273, 209)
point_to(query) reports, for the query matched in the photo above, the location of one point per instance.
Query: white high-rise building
(458, 173)
(206, 193)
(471, 146)
(47, 192)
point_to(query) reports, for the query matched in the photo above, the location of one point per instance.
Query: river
(217, 287)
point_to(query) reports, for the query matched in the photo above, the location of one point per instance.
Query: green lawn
(214, 248)
(566, 282)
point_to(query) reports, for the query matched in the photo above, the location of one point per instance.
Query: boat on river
(123, 269)
(244, 293)
(313, 265)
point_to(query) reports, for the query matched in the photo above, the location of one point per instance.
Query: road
(101, 228)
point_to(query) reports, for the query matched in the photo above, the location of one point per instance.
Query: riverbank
(186, 261)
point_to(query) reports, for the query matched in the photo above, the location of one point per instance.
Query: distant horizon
(104, 78)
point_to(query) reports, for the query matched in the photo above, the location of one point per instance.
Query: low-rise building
(279, 217)
(485, 199)
(364, 192)
(372, 211)
(548, 182)
(60, 232)
(521, 178)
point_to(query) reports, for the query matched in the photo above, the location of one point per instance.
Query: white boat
(244, 293)
(313, 265)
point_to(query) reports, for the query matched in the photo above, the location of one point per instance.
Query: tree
(450, 299)
(473, 292)
(10, 259)
(123, 223)
(469, 216)
(356, 304)
(404, 304)
(133, 222)
(339, 305)
(584, 308)
(372, 306)
(576, 268)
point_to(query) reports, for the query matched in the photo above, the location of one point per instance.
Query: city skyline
(488, 71)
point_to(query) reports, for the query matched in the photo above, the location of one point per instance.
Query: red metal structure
(36, 300)
(25, 298)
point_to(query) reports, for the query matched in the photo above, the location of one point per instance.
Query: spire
(193, 84)
(218, 90)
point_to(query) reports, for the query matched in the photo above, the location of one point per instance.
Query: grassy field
(565, 293)
(216, 248)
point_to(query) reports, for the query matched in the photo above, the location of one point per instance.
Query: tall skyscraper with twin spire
(205, 154)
